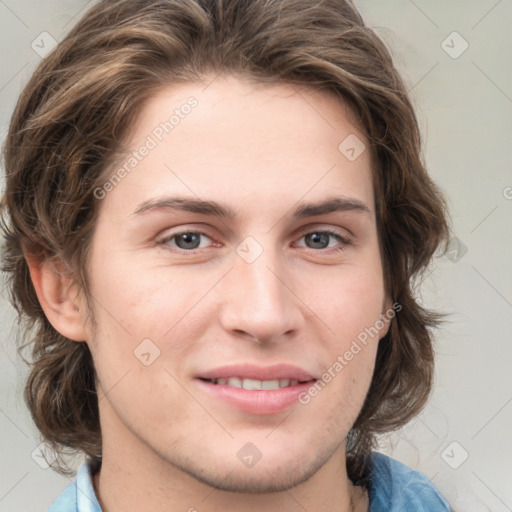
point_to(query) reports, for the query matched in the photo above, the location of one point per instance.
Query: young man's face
(262, 296)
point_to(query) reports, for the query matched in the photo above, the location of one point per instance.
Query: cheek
(143, 301)
(352, 308)
(145, 322)
(350, 301)
(343, 386)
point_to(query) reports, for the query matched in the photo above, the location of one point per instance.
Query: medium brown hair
(74, 116)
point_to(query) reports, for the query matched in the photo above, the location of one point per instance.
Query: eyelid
(345, 234)
(343, 239)
(170, 236)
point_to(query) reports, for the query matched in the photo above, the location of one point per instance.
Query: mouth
(256, 390)
(255, 384)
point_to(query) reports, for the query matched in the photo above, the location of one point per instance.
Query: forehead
(251, 143)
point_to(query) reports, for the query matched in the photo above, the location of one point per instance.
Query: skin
(167, 445)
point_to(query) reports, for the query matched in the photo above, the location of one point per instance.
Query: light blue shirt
(393, 488)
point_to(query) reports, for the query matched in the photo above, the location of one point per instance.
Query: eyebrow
(204, 207)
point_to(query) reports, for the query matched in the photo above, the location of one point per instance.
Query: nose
(259, 301)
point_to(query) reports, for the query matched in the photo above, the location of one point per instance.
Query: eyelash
(344, 241)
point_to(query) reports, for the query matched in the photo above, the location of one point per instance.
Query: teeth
(254, 384)
(234, 382)
(251, 384)
(270, 384)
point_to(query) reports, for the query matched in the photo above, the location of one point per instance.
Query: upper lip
(251, 371)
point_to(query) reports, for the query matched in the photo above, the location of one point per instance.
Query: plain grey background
(456, 58)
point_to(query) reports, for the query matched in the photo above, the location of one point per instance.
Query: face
(225, 294)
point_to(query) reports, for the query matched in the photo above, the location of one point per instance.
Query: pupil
(187, 239)
(319, 238)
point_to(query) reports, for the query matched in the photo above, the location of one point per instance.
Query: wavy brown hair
(75, 114)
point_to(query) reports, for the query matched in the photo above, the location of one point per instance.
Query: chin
(252, 481)
(266, 476)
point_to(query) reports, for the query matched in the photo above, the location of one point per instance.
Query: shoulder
(79, 495)
(394, 487)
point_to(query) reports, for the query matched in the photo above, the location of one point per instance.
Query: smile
(254, 384)
(253, 389)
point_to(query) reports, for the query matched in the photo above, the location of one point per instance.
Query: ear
(58, 296)
(389, 311)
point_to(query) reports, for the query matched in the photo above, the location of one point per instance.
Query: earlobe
(57, 294)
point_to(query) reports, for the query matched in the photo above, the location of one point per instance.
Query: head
(252, 106)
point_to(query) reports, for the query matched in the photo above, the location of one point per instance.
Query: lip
(251, 371)
(258, 402)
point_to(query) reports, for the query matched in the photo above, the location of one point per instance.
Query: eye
(320, 240)
(186, 240)
(190, 241)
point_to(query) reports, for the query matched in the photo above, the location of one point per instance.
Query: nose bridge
(265, 286)
(259, 300)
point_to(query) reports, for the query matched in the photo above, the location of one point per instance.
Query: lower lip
(256, 401)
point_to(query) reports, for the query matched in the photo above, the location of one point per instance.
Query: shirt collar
(86, 500)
